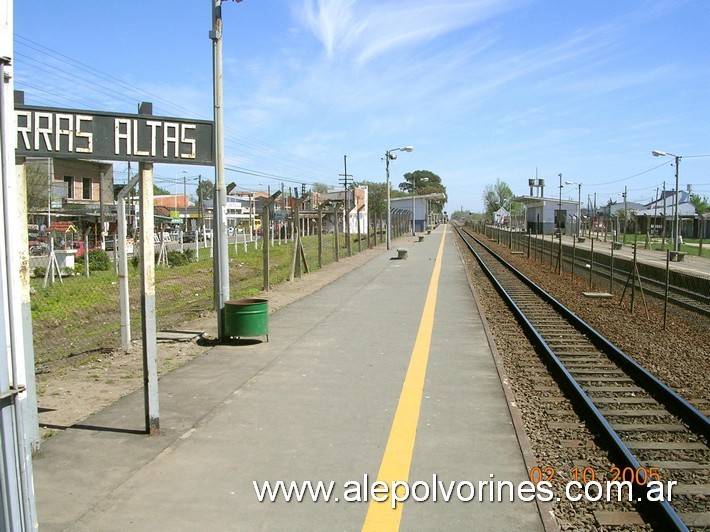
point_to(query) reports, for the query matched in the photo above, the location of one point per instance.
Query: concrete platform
(691, 264)
(323, 400)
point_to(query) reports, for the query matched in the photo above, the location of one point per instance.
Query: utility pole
(655, 209)
(101, 211)
(676, 231)
(663, 240)
(346, 204)
(626, 212)
(184, 193)
(559, 227)
(200, 214)
(219, 236)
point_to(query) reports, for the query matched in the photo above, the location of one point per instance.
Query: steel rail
(660, 391)
(660, 510)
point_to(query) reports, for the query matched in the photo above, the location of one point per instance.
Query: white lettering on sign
(190, 142)
(26, 129)
(37, 131)
(176, 142)
(43, 131)
(58, 133)
(89, 147)
(118, 135)
(68, 131)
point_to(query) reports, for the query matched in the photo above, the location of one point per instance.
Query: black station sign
(70, 133)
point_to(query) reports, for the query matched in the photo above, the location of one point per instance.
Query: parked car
(78, 245)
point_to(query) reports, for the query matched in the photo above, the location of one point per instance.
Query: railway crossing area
(379, 385)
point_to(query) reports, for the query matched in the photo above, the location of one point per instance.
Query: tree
(420, 181)
(320, 188)
(423, 182)
(205, 190)
(700, 203)
(37, 188)
(495, 195)
(376, 197)
(701, 208)
(158, 191)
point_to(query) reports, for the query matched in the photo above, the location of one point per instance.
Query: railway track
(649, 431)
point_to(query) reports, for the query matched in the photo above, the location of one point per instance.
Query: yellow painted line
(400, 445)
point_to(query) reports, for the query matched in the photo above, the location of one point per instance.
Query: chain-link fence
(75, 315)
(610, 266)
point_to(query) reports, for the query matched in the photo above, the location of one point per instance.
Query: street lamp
(177, 184)
(391, 156)
(220, 243)
(579, 203)
(676, 228)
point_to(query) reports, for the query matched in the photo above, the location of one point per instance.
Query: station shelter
(544, 216)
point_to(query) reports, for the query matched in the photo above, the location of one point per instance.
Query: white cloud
(362, 31)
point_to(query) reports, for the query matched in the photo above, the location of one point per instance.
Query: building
(544, 216)
(658, 217)
(71, 189)
(423, 215)
(501, 217)
(357, 218)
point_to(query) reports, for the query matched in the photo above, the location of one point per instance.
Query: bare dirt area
(71, 391)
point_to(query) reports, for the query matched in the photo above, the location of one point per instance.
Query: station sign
(76, 134)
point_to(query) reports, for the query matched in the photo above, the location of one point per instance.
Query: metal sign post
(148, 321)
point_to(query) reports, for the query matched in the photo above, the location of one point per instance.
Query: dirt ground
(70, 394)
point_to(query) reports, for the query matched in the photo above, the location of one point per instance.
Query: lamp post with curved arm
(579, 204)
(676, 228)
(391, 156)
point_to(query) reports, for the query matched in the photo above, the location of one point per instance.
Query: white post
(148, 321)
(19, 430)
(219, 231)
(122, 262)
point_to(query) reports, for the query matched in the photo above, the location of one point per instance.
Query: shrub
(177, 258)
(40, 271)
(98, 261)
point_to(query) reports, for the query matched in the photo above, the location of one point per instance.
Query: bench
(677, 256)
(401, 253)
(616, 245)
(580, 239)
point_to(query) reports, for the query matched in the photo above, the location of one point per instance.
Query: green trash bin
(246, 317)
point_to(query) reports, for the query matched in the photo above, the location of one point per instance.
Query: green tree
(700, 203)
(376, 197)
(423, 182)
(37, 188)
(420, 181)
(159, 191)
(205, 190)
(495, 195)
(320, 188)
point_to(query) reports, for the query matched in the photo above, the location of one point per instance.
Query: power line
(272, 155)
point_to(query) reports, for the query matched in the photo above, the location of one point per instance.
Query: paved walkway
(385, 373)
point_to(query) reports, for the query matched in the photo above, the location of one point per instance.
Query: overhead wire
(271, 156)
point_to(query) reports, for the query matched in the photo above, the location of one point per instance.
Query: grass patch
(82, 314)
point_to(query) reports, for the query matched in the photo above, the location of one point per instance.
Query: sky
(484, 90)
